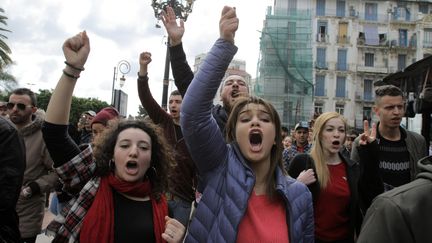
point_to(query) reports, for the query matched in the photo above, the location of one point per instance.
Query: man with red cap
(100, 121)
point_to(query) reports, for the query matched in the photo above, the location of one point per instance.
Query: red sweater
(264, 221)
(332, 206)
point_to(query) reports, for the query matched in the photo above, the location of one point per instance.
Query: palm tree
(6, 79)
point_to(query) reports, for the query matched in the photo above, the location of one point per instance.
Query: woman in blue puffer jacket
(247, 197)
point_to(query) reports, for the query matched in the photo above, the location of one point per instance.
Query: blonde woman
(333, 180)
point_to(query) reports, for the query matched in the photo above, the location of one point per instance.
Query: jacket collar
(402, 131)
(347, 161)
(281, 181)
(35, 125)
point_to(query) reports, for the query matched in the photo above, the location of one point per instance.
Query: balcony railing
(427, 44)
(367, 69)
(323, 38)
(361, 41)
(364, 96)
(321, 65)
(343, 39)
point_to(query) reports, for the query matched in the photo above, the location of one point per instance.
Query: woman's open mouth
(132, 167)
(255, 140)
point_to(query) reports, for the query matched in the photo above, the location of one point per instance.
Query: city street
(42, 238)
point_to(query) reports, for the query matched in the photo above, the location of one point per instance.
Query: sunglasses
(20, 106)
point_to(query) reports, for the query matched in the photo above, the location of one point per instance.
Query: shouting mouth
(255, 140)
(132, 167)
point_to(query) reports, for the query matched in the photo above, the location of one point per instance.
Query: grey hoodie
(402, 214)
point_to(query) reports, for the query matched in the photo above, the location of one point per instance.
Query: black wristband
(34, 188)
(70, 75)
(73, 67)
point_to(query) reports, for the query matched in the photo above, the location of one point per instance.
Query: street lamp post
(182, 9)
(124, 68)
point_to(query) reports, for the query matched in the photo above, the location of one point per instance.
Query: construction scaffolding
(284, 72)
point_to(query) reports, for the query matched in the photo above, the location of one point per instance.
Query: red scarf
(98, 223)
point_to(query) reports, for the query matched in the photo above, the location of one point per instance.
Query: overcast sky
(118, 30)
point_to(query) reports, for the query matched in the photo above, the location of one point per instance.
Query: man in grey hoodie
(401, 215)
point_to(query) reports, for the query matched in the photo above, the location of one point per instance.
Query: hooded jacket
(38, 175)
(401, 215)
(228, 178)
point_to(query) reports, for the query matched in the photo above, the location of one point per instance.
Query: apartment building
(354, 44)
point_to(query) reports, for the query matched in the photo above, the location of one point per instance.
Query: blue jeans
(180, 210)
(55, 205)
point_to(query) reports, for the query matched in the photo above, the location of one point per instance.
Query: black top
(60, 145)
(394, 163)
(133, 220)
(12, 166)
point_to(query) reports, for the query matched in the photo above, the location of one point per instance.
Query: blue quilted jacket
(228, 179)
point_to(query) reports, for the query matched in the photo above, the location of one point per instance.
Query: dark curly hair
(161, 154)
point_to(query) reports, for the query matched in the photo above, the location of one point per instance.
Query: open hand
(174, 230)
(175, 31)
(368, 135)
(228, 24)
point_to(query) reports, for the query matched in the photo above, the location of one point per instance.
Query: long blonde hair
(317, 152)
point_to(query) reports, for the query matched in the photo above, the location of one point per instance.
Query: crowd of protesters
(201, 172)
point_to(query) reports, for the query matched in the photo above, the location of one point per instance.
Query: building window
(401, 62)
(340, 108)
(371, 11)
(427, 40)
(367, 114)
(340, 8)
(319, 85)
(342, 60)
(322, 31)
(342, 35)
(320, 9)
(340, 87)
(403, 40)
(423, 8)
(292, 5)
(321, 58)
(402, 13)
(369, 59)
(318, 108)
(367, 90)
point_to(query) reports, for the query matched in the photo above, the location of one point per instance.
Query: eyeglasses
(20, 106)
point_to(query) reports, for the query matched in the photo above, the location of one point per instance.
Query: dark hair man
(38, 176)
(395, 151)
(300, 144)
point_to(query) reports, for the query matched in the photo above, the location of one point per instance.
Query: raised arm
(182, 72)
(76, 51)
(60, 145)
(370, 182)
(201, 132)
(156, 113)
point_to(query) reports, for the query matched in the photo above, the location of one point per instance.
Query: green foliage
(7, 81)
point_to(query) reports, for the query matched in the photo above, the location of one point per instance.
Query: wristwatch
(27, 192)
